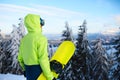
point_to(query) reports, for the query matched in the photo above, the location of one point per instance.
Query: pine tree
(1, 53)
(116, 66)
(100, 65)
(13, 47)
(5, 60)
(67, 34)
(9, 50)
(79, 66)
(81, 60)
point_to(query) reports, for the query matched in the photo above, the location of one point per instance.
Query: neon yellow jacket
(33, 47)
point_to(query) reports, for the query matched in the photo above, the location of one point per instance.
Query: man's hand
(24, 73)
(54, 78)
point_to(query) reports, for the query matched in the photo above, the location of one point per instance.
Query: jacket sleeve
(20, 59)
(44, 60)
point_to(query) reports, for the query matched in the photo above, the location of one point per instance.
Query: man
(33, 55)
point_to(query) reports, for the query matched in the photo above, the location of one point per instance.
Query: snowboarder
(33, 55)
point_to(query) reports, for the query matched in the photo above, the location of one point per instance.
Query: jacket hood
(32, 23)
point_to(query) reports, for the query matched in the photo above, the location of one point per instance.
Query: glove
(24, 73)
(54, 78)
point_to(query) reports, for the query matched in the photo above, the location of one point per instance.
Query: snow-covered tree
(79, 65)
(2, 54)
(100, 65)
(67, 34)
(81, 61)
(9, 49)
(116, 67)
(13, 47)
(5, 59)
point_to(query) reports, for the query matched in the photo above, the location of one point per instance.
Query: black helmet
(42, 22)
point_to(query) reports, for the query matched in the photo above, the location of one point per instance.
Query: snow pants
(32, 71)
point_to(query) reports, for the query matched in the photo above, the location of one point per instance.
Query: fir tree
(2, 54)
(100, 65)
(81, 60)
(67, 34)
(9, 50)
(116, 66)
(17, 34)
(5, 58)
(79, 66)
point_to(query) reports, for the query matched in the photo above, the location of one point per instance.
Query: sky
(102, 16)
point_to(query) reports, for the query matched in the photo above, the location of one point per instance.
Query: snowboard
(60, 58)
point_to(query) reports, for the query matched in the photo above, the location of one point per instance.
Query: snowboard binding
(56, 66)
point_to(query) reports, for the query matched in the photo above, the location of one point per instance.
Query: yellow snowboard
(60, 58)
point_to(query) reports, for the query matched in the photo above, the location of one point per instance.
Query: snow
(11, 77)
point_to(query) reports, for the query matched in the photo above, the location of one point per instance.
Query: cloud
(39, 9)
(53, 16)
(112, 25)
(117, 19)
(111, 31)
(58, 11)
(20, 9)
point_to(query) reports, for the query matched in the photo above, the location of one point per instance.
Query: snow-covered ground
(11, 77)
